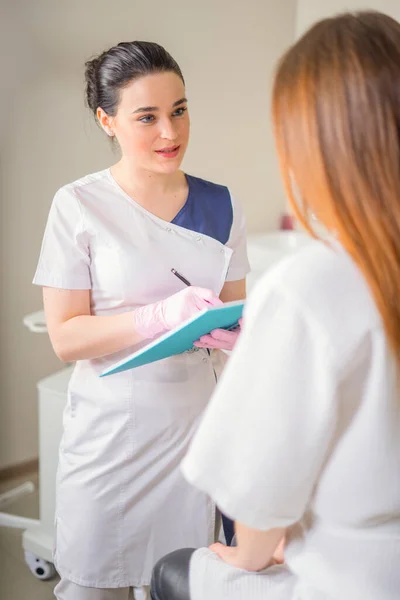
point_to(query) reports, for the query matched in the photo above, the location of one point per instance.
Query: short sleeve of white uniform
(239, 265)
(265, 434)
(64, 258)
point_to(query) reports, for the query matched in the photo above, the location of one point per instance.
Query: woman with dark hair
(111, 241)
(313, 454)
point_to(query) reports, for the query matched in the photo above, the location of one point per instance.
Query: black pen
(185, 281)
(181, 277)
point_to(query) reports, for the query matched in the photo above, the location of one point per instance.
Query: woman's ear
(105, 121)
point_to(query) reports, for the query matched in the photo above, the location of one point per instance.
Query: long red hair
(336, 114)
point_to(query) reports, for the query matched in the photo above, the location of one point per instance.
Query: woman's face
(152, 122)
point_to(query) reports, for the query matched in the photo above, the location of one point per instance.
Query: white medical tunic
(303, 432)
(122, 502)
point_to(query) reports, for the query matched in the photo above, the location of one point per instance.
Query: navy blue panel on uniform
(208, 209)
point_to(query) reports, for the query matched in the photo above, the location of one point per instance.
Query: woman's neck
(162, 194)
(144, 184)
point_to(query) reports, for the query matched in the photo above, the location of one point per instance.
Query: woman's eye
(180, 111)
(147, 119)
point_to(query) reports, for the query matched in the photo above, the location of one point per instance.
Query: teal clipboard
(181, 339)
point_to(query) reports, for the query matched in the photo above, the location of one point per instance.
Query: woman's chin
(167, 167)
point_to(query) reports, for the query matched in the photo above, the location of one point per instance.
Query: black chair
(170, 577)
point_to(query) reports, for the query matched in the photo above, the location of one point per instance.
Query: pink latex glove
(153, 319)
(220, 338)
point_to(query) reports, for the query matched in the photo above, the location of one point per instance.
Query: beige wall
(226, 49)
(309, 11)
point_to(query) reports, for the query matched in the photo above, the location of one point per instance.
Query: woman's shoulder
(210, 193)
(97, 179)
(322, 283)
(205, 185)
(214, 196)
(318, 269)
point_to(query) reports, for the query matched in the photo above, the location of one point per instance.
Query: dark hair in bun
(108, 73)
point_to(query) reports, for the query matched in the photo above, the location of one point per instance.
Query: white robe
(303, 433)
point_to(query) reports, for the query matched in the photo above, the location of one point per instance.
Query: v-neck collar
(145, 210)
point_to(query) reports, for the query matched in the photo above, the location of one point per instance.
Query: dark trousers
(229, 529)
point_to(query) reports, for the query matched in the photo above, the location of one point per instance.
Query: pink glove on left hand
(220, 338)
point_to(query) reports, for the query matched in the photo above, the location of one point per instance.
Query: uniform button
(205, 360)
(169, 229)
(199, 238)
(222, 251)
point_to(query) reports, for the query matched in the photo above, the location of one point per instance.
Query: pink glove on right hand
(154, 319)
(221, 339)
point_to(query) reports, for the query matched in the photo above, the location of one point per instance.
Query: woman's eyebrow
(155, 108)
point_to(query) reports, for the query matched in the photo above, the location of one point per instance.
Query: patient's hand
(278, 556)
(228, 554)
(256, 550)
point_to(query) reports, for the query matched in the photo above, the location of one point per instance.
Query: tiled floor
(16, 580)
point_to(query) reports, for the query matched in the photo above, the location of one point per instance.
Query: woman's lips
(171, 152)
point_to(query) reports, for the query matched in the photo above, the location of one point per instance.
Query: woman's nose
(168, 130)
